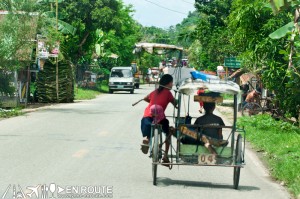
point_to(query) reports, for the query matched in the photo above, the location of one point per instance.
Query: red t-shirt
(163, 99)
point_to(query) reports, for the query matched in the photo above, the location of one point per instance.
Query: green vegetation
(85, 94)
(93, 36)
(10, 113)
(103, 88)
(280, 143)
(227, 97)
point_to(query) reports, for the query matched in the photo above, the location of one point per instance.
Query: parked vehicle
(136, 74)
(121, 79)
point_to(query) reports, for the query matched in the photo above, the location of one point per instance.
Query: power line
(187, 2)
(166, 8)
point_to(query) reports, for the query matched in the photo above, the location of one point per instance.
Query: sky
(160, 13)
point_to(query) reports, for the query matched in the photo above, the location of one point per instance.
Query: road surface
(96, 143)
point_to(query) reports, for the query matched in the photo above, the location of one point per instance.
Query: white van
(121, 79)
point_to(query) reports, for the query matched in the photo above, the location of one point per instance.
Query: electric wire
(166, 8)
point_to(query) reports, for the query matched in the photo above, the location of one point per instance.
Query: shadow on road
(163, 182)
(82, 111)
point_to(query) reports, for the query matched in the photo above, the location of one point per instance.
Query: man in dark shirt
(210, 119)
(211, 136)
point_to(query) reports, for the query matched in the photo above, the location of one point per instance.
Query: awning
(114, 56)
(149, 47)
(219, 86)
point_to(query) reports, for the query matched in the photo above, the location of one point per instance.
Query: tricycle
(229, 152)
(192, 145)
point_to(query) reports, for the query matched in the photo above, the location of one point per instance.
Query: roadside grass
(7, 113)
(104, 88)
(279, 141)
(85, 94)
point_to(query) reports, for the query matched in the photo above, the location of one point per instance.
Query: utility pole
(57, 95)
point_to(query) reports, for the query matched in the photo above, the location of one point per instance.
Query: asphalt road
(97, 143)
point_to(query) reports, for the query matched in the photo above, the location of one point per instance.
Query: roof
(209, 72)
(114, 56)
(122, 67)
(237, 73)
(246, 77)
(149, 47)
(189, 87)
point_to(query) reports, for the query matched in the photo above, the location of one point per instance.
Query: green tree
(289, 73)
(17, 30)
(250, 23)
(112, 17)
(212, 32)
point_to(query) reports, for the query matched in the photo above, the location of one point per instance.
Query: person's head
(209, 107)
(166, 81)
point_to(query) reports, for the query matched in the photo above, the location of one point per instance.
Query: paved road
(96, 142)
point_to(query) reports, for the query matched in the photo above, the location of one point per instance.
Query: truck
(136, 74)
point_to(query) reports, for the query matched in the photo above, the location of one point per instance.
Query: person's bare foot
(171, 130)
(145, 146)
(165, 161)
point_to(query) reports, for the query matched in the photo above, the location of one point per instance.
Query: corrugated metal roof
(150, 46)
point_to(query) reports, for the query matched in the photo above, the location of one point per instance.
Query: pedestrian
(252, 96)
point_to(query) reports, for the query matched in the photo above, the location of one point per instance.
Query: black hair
(208, 106)
(164, 80)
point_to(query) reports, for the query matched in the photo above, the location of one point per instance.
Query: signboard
(232, 62)
(45, 50)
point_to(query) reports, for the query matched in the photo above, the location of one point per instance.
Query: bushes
(4, 113)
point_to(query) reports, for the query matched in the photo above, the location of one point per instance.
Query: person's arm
(172, 100)
(220, 134)
(220, 130)
(249, 97)
(147, 99)
(175, 103)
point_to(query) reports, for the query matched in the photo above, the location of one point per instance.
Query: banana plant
(63, 27)
(292, 27)
(100, 42)
(279, 5)
(50, 17)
